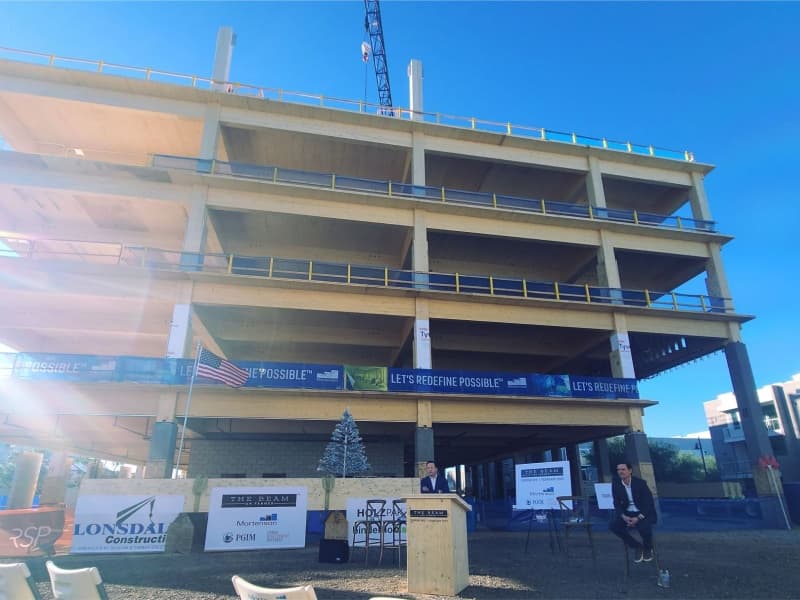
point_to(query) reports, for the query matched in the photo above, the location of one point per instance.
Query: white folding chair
(16, 583)
(76, 584)
(248, 591)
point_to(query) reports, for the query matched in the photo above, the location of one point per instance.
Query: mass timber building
(144, 213)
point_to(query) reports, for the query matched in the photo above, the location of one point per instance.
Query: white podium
(438, 558)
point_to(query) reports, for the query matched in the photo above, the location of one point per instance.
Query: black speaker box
(334, 551)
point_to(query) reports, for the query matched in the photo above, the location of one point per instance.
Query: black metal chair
(574, 514)
(396, 528)
(369, 530)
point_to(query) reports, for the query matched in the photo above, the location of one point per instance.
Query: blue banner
(279, 375)
(456, 382)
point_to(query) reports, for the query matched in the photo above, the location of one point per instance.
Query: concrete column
(637, 452)
(575, 473)
(26, 477)
(698, 200)
(423, 355)
(594, 184)
(160, 459)
(756, 438)
(194, 238)
(602, 460)
(226, 40)
(415, 89)
(621, 357)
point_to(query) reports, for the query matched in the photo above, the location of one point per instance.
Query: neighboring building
(779, 405)
(539, 274)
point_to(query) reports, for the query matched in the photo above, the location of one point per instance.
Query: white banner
(605, 500)
(539, 484)
(357, 511)
(255, 518)
(123, 523)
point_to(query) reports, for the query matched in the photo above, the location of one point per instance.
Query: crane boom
(374, 27)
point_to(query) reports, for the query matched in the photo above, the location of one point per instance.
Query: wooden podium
(438, 560)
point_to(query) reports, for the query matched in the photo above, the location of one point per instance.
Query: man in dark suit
(634, 509)
(434, 482)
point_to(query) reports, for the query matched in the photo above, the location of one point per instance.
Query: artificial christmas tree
(344, 455)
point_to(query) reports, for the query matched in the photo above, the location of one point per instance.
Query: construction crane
(374, 29)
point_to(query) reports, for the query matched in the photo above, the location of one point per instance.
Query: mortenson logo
(124, 532)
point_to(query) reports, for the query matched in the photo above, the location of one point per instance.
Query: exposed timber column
(161, 454)
(716, 280)
(54, 484)
(26, 476)
(594, 184)
(423, 436)
(220, 74)
(637, 452)
(608, 268)
(179, 343)
(419, 251)
(575, 473)
(698, 200)
(756, 437)
(602, 460)
(621, 357)
(423, 358)
(415, 89)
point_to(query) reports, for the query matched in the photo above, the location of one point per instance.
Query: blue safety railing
(300, 269)
(426, 193)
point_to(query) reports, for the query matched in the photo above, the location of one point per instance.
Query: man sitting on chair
(634, 508)
(434, 482)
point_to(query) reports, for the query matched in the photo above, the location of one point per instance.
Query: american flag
(216, 368)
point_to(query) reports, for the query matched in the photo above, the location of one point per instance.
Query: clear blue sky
(720, 79)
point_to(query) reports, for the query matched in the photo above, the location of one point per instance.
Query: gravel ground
(742, 564)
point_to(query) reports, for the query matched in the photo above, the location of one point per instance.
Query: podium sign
(438, 561)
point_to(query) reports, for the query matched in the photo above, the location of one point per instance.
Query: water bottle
(663, 578)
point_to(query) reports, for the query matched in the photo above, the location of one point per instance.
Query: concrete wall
(369, 487)
(213, 458)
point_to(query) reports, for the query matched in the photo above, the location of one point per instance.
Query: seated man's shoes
(640, 556)
(647, 554)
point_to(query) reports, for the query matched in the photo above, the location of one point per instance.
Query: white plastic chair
(16, 583)
(248, 591)
(76, 584)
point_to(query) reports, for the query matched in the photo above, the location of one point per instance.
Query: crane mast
(374, 27)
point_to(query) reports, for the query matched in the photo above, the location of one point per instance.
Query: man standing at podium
(434, 482)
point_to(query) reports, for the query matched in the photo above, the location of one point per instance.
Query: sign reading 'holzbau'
(429, 514)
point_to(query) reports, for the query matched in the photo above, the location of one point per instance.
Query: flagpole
(188, 405)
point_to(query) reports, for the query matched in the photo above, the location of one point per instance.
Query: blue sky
(720, 79)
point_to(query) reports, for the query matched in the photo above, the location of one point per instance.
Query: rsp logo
(30, 536)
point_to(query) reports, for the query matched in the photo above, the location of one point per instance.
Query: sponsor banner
(65, 367)
(456, 382)
(165, 371)
(365, 378)
(357, 511)
(293, 375)
(578, 386)
(256, 518)
(116, 524)
(539, 484)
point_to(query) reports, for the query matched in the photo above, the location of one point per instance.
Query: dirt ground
(741, 564)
